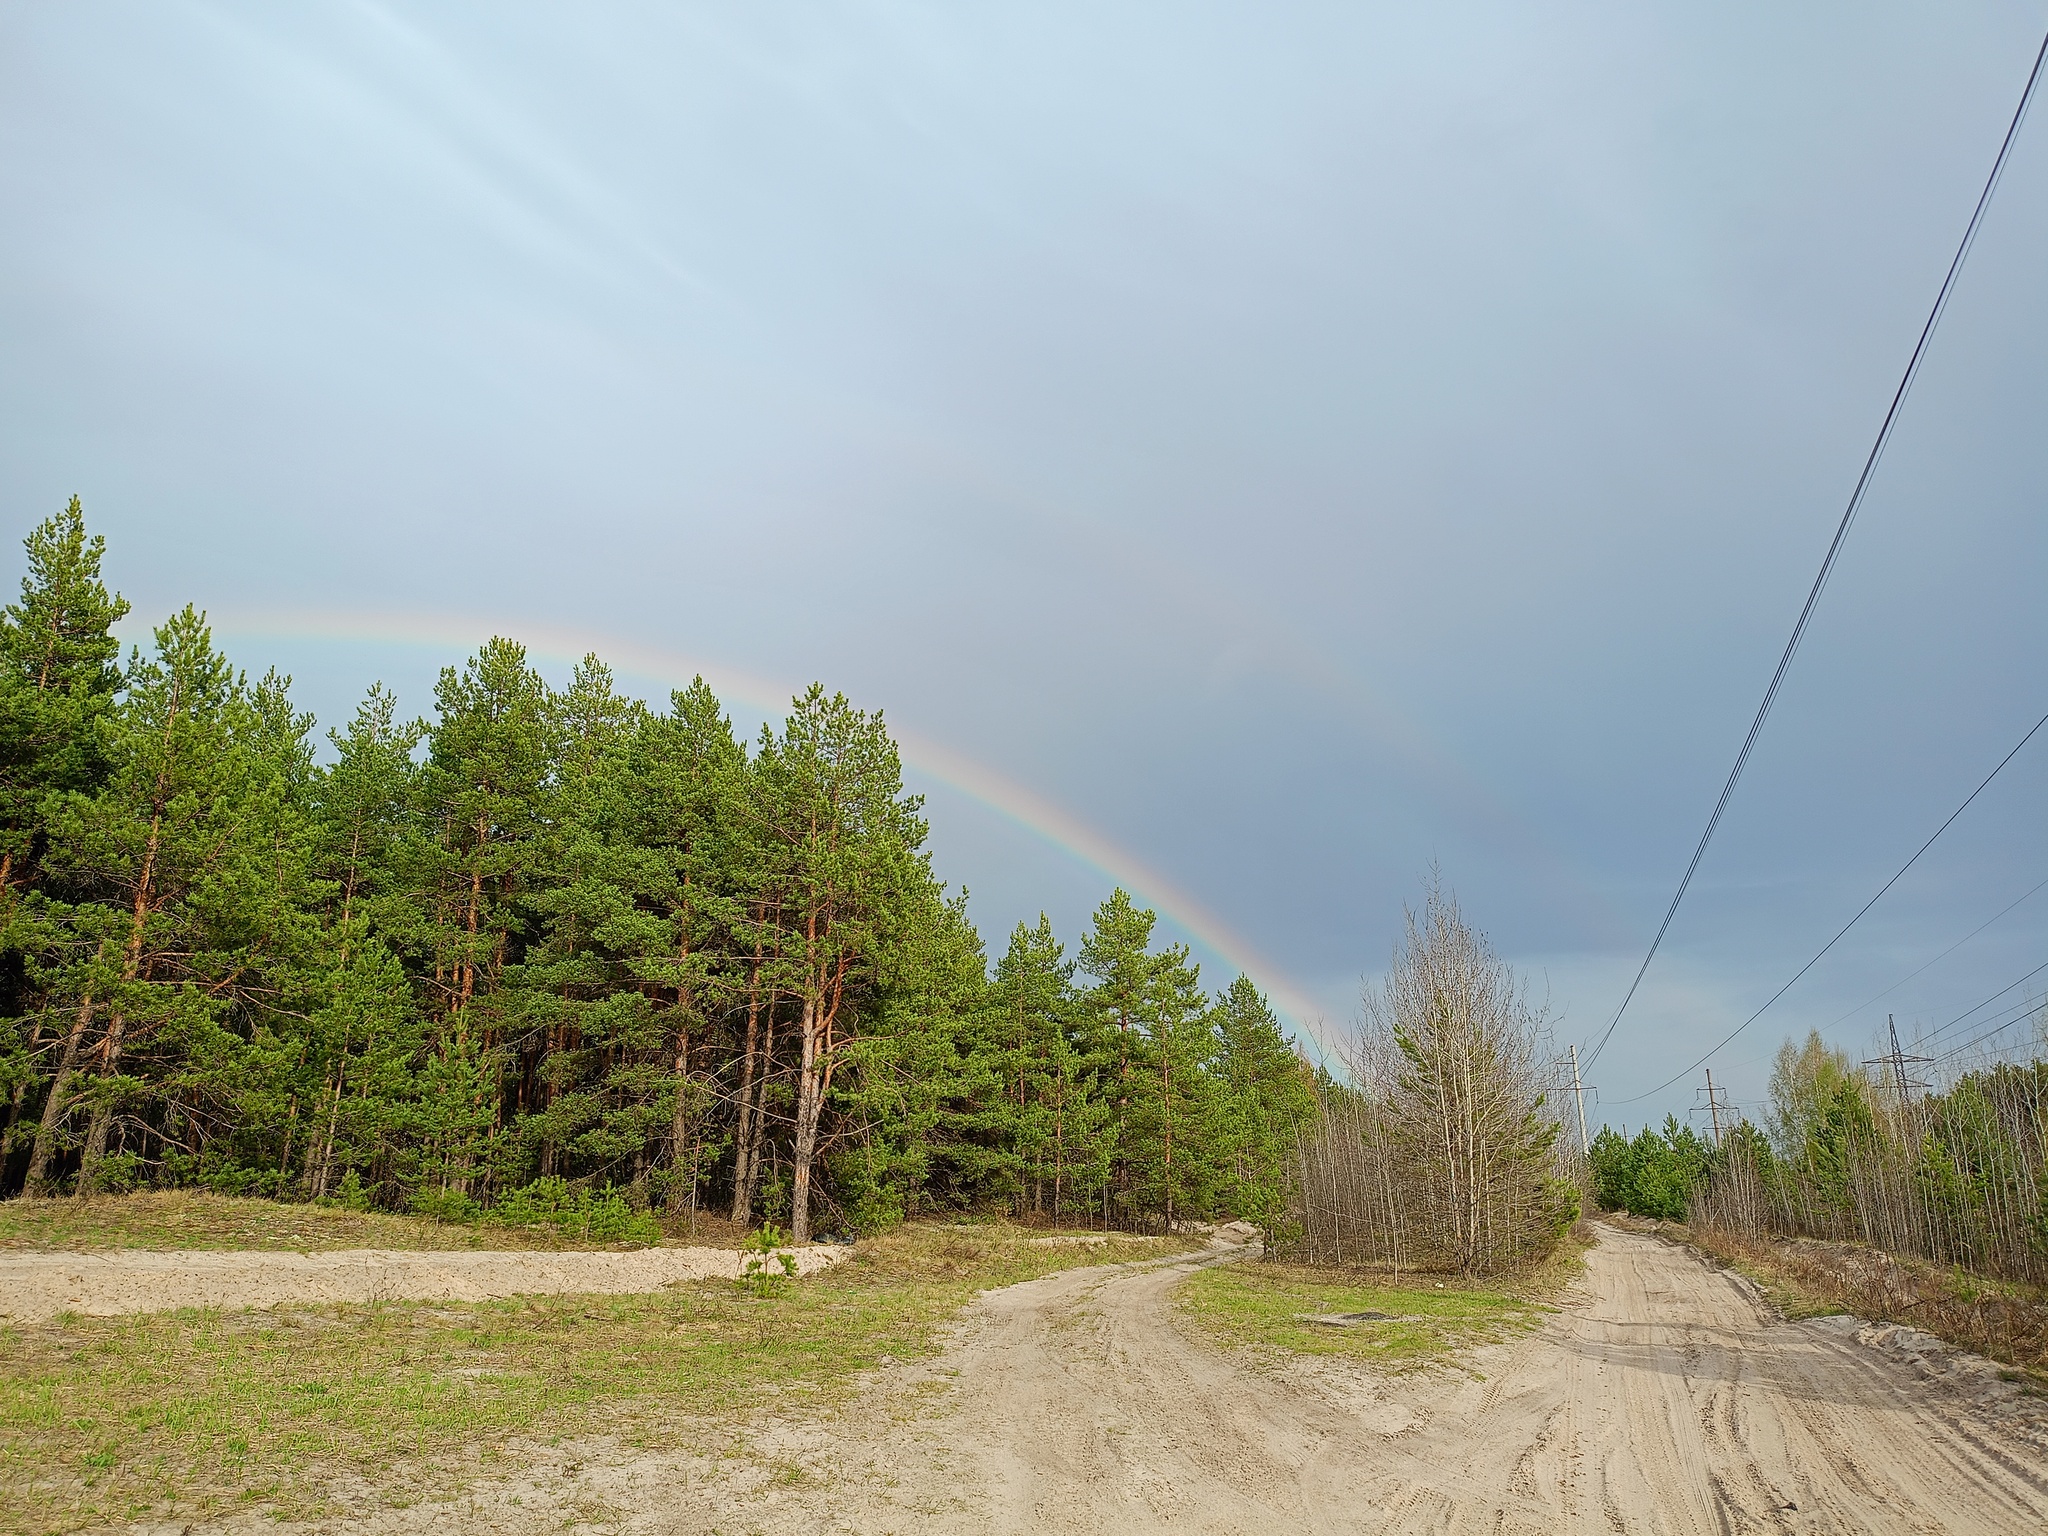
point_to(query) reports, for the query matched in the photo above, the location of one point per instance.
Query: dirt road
(1660, 1398)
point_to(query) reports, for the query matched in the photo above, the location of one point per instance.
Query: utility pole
(1579, 1094)
(1717, 1101)
(1896, 1059)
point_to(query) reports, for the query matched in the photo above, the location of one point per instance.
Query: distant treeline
(1959, 1176)
(557, 935)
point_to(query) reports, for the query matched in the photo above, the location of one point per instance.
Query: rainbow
(1024, 808)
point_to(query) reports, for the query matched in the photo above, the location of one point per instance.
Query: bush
(604, 1216)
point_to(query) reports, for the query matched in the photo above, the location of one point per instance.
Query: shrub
(602, 1216)
(443, 1204)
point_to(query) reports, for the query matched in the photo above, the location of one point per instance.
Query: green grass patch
(1265, 1307)
(188, 1414)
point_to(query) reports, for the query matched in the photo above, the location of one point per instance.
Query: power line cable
(1959, 943)
(1831, 943)
(2019, 1013)
(1827, 565)
(1887, 992)
(1930, 1038)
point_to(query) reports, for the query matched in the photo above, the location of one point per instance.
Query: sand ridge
(37, 1286)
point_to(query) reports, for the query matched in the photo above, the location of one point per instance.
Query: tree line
(1958, 1176)
(555, 936)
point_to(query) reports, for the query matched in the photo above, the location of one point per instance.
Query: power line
(1929, 1039)
(2019, 1013)
(1888, 991)
(1831, 943)
(1959, 943)
(1827, 564)
(1898, 1060)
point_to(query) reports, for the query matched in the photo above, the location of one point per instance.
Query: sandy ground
(41, 1285)
(1662, 1397)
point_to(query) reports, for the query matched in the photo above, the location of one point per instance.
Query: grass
(1264, 1307)
(184, 1415)
(185, 1219)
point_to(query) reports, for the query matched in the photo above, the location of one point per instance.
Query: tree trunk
(37, 1184)
(743, 1143)
(757, 1134)
(131, 967)
(35, 1044)
(810, 1103)
(1166, 1109)
(326, 1153)
(679, 1129)
(476, 898)
(102, 1111)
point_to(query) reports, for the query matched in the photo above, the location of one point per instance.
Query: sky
(1253, 454)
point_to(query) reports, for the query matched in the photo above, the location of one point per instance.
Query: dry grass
(184, 1415)
(1805, 1277)
(177, 1219)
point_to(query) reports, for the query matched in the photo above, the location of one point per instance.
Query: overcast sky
(1252, 451)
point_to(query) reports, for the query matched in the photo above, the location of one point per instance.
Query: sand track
(36, 1286)
(1663, 1397)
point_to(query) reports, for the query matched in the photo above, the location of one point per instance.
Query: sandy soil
(1662, 1398)
(41, 1285)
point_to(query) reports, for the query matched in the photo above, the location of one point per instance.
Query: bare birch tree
(1444, 1151)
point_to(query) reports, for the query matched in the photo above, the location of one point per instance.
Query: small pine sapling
(769, 1266)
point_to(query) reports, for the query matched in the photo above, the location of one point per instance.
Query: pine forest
(558, 945)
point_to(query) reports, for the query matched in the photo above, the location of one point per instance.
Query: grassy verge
(188, 1414)
(1805, 1278)
(173, 1219)
(1265, 1308)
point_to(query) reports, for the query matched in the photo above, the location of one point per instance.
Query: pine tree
(577, 1032)
(365, 1026)
(59, 673)
(191, 867)
(1033, 1009)
(1175, 1118)
(684, 786)
(481, 843)
(58, 678)
(922, 1112)
(1267, 1096)
(843, 843)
